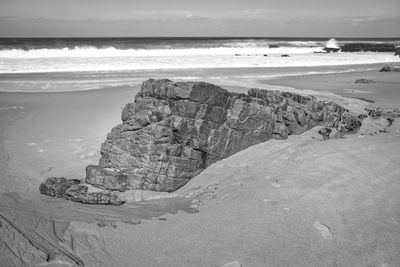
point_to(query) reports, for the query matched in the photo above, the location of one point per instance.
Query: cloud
(245, 14)
(360, 20)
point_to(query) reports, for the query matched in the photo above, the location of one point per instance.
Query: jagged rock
(394, 113)
(348, 123)
(56, 187)
(390, 121)
(174, 130)
(364, 81)
(71, 189)
(325, 132)
(362, 116)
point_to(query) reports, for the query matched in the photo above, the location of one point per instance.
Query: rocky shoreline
(369, 47)
(175, 130)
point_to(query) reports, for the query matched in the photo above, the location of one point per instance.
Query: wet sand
(295, 202)
(384, 92)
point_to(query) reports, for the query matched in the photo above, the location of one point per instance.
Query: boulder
(174, 130)
(348, 123)
(388, 68)
(325, 132)
(397, 50)
(71, 189)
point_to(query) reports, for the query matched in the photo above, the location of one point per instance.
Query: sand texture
(296, 202)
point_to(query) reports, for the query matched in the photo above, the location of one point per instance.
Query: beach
(296, 202)
(268, 205)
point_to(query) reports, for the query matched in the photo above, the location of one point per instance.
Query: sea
(68, 64)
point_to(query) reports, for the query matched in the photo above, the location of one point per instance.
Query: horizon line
(199, 37)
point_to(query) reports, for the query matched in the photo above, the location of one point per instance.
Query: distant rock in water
(364, 81)
(273, 46)
(174, 130)
(368, 47)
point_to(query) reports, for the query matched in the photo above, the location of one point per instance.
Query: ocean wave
(300, 44)
(110, 60)
(11, 108)
(87, 51)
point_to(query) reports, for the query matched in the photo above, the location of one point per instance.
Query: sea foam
(87, 52)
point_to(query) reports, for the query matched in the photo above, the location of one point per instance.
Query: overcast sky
(300, 18)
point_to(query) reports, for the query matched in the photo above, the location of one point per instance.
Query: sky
(220, 18)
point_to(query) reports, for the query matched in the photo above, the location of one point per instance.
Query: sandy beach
(295, 202)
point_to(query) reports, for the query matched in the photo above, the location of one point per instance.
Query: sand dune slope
(300, 202)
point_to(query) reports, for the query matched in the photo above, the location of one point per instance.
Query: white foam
(87, 52)
(111, 59)
(332, 43)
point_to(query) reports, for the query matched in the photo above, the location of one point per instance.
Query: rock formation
(347, 124)
(364, 81)
(367, 47)
(388, 68)
(174, 130)
(71, 189)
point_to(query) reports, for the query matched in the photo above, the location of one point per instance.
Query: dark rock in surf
(367, 47)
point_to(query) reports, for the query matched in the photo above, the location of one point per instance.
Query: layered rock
(71, 189)
(174, 130)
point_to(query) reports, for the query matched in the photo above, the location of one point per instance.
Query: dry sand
(295, 202)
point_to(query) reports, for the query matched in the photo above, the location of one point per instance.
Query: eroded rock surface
(174, 130)
(71, 189)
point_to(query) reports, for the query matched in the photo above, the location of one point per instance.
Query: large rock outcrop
(174, 130)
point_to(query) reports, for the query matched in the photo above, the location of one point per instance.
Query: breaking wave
(87, 52)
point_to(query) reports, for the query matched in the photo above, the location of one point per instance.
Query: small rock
(362, 116)
(325, 132)
(276, 183)
(389, 69)
(364, 81)
(324, 230)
